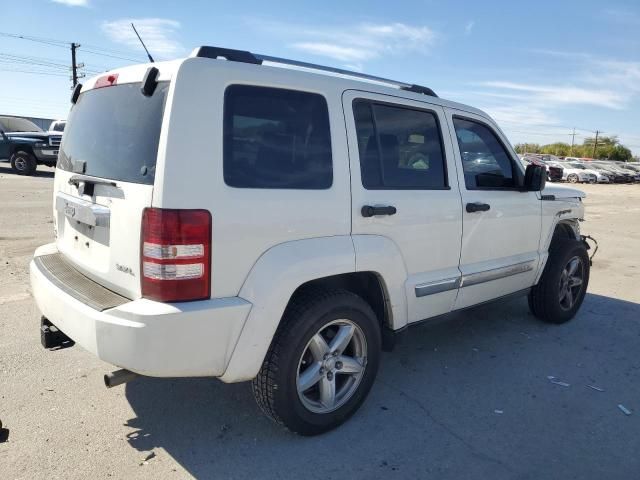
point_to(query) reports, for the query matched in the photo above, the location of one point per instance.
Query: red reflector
(175, 254)
(106, 81)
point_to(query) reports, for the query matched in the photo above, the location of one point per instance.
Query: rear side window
(485, 161)
(276, 138)
(400, 148)
(113, 132)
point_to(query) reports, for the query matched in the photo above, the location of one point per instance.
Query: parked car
(28, 146)
(619, 175)
(627, 169)
(554, 172)
(322, 218)
(600, 175)
(575, 175)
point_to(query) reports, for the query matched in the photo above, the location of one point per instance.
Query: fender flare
(269, 287)
(572, 223)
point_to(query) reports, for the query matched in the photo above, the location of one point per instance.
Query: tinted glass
(115, 131)
(400, 148)
(485, 162)
(275, 138)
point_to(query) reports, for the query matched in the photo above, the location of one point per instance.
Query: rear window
(113, 132)
(276, 138)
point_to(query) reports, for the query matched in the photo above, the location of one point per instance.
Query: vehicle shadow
(42, 172)
(466, 396)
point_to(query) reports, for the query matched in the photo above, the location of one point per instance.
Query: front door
(405, 189)
(501, 223)
(4, 146)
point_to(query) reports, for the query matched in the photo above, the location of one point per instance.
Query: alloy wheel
(571, 282)
(331, 366)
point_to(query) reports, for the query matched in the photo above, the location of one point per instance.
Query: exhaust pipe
(119, 377)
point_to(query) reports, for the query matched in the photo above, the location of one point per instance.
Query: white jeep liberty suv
(247, 217)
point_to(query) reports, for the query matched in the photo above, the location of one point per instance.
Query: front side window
(399, 147)
(485, 161)
(276, 138)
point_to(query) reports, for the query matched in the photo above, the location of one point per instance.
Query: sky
(539, 68)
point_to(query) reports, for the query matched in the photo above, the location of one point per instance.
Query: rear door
(501, 223)
(404, 187)
(105, 179)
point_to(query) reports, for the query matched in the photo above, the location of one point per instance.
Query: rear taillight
(176, 254)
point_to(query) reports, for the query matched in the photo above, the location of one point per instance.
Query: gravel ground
(463, 398)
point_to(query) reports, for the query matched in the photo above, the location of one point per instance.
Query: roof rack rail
(244, 56)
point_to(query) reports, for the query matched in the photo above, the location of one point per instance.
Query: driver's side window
(485, 162)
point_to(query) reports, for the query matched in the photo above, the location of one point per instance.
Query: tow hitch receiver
(52, 338)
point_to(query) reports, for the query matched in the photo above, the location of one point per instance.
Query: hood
(561, 191)
(29, 136)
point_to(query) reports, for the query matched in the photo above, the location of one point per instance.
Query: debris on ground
(555, 381)
(624, 409)
(597, 389)
(147, 458)
(499, 412)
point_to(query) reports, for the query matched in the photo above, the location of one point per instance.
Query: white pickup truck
(246, 217)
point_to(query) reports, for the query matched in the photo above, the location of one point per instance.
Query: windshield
(113, 133)
(13, 124)
(577, 165)
(57, 126)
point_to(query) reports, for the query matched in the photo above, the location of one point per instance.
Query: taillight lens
(176, 254)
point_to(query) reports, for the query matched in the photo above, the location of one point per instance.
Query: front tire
(561, 289)
(23, 163)
(322, 362)
(573, 178)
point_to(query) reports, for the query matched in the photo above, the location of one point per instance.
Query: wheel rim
(20, 163)
(571, 282)
(573, 178)
(331, 366)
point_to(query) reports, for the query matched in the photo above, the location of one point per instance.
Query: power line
(33, 72)
(112, 56)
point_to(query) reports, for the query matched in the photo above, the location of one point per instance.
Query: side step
(52, 338)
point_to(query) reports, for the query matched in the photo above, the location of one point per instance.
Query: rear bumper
(150, 338)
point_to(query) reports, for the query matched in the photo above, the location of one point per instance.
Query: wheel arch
(21, 147)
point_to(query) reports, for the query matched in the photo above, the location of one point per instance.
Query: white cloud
(159, 34)
(468, 28)
(563, 94)
(353, 44)
(73, 3)
(363, 42)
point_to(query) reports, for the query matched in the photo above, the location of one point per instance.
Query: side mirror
(535, 178)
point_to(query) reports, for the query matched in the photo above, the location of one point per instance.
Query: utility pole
(595, 145)
(573, 137)
(74, 66)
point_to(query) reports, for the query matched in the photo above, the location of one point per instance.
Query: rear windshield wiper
(89, 183)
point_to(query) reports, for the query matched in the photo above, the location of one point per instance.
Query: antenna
(143, 45)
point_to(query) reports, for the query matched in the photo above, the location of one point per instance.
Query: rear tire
(23, 163)
(561, 289)
(307, 351)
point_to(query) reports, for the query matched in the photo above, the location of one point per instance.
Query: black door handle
(369, 211)
(477, 207)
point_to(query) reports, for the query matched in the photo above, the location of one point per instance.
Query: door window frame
(372, 102)
(514, 165)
